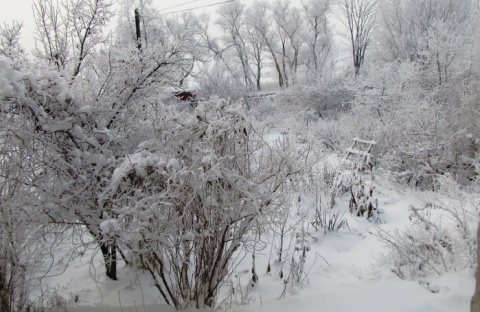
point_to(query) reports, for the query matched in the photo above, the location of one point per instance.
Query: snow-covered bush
(217, 80)
(283, 117)
(65, 151)
(421, 131)
(185, 202)
(440, 238)
(302, 108)
(34, 114)
(327, 99)
(429, 143)
(10, 82)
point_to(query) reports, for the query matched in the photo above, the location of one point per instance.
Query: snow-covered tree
(420, 90)
(158, 31)
(232, 22)
(68, 31)
(316, 35)
(10, 39)
(256, 46)
(289, 24)
(260, 19)
(358, 16)
(83, 125)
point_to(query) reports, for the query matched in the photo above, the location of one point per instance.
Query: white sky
(21, 10)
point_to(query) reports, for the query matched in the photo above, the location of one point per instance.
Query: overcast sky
(21, 10)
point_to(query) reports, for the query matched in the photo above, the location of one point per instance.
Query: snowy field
(344, 271)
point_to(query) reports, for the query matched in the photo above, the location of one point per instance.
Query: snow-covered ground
(345, 272)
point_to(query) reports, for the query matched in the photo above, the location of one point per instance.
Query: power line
(178, 5)
(199, 7)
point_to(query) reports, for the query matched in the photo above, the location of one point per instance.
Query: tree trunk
(109, 253)
(475, 304)
(284, 66)
(259, 69)
(357, 70)
(4, 291)
(277, 66)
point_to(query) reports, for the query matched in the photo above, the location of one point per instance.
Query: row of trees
(288, 36)
(281, 33)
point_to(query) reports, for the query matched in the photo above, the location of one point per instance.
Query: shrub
(362, 203)
(440, 238)
(330, 183)
(185, 203)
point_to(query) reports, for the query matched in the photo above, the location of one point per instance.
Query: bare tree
(68, 31)
(289, 24)
(231, 20)
(436, 34)
(317, 34)
(212, 45)
(358, 17)
(259, 18)
(256, 46)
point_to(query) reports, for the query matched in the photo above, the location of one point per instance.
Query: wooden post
(137, 28)
(475, 303)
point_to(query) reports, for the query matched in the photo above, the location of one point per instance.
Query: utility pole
(137, 28)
